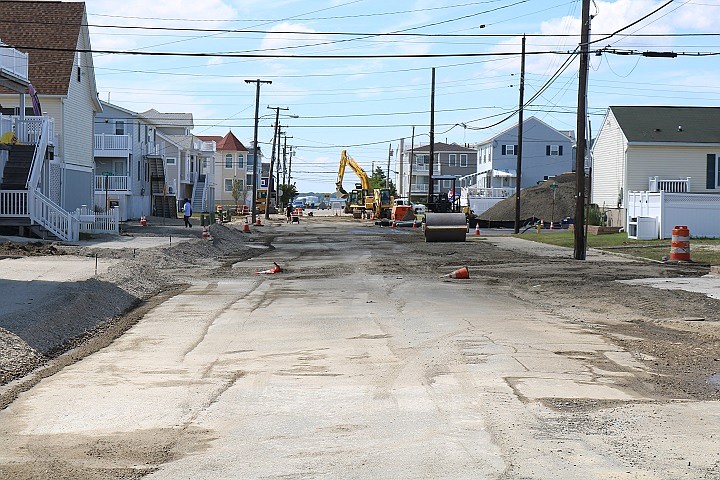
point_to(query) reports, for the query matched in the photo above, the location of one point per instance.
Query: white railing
(491, 192)
(154, 148)
(421, 168)
(43, 135)
(14, 203)
(30, 129)
(419, 188)
(208, 146)
(52, 217)
(92, 222)
(6, 124)
(111, 144)
(679, 185)
(112, 183)
(13, 61)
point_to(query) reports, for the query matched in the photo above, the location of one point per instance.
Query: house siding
(668, 162)
(79, 115)
(609, 164)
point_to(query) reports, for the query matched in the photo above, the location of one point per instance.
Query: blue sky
(365, 105)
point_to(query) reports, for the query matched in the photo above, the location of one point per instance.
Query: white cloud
(275, 40)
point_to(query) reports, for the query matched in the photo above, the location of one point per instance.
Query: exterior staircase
(197, 201)
(17, 169)
(164, 205)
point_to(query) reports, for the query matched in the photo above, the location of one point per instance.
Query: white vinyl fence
(92, 222)
(700, 212)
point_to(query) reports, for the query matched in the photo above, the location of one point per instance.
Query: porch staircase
(17, 169)
(198, 195)
(164, 205)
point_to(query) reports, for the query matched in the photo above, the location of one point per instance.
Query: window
(447, 184)
(452, 160)
(250, 159)
(249, 180)
(119, 127)
(228, 160)
(228, 184)
(509, 149)
(422, 160)
(556, 150)
(170, 161)
(713, 171)
(463, 159)
(241, 160)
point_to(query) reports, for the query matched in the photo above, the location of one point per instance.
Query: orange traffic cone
(275, 269)
(552, 227)
(414, 223)
(143, 221)
(459, 273)
(205, 232)
(477, 229)
(257, 222)
(246, 227)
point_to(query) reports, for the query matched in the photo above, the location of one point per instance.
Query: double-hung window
(713, 171)
(452, 160)
(509, 149)
(554, 150)
(228, 161)
(463, 159)
(228, 184)
(241, 160)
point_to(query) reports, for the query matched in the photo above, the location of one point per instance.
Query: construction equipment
(445, 227)
(363, 199)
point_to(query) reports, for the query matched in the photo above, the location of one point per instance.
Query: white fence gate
(698, 211)
(91, 222)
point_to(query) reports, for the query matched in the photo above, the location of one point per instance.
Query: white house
(60, 68)
(673, 150)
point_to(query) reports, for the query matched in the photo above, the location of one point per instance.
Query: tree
(289, 192)
(378, 180)
(237, 191)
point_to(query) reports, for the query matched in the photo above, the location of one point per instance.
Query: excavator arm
(346, 160)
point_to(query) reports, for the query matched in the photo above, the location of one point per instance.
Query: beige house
(674, 150)
(229, 166)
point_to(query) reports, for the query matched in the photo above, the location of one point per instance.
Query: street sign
(554, 185)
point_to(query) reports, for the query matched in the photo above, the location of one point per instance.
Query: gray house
(546, 152)
(450, 160)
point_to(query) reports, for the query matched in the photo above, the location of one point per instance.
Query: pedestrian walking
(288, 212)
(187, 212)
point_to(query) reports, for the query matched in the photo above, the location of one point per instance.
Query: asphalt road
(358, 361)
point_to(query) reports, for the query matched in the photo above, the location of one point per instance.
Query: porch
(115, 184)
(112, 145)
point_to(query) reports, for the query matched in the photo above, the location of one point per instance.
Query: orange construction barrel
(680, 243)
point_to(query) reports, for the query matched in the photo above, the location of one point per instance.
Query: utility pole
(292, 151)
(387, 174)
(276, 141)
(412, 157)
(518, 167)
(432, 138)
(284, 156)
(255, 143)
(580, 152)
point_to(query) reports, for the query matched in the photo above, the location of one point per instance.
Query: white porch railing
(42, 140)
(13, 203)
(14, 61)
(92, 222)
(112, 145)
(154, 148)
(419, 188)
(112, 183)
(680, 185)
(28, 130)
(491, 192)
(52, 217)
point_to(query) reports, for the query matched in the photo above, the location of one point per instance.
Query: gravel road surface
(359, 360)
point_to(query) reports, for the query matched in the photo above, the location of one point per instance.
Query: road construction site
(165, 355)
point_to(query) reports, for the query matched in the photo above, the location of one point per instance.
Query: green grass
(702, 250)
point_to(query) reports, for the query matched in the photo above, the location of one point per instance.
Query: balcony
(679, 185)
(14, 62)
(27, 130)
(117, 146)
(153, 149)
(496, 192)
(419, 188)
(112, 184)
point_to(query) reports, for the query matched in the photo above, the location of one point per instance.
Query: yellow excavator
(362, 199)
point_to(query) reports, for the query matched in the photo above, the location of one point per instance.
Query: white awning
(503, 173)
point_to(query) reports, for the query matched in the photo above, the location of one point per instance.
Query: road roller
(445, 227)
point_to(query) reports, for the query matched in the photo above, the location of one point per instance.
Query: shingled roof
(444, 147)
(669, 124)
(31, 27)
(168, 120)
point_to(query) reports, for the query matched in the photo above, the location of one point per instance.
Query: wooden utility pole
(387, 174)
(432, 138)
(255, 143)
(518, 166)
(412, 158)
(580, 152)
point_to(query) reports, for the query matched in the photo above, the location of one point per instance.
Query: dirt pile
(78, 311)
(537, 202)
(14, 249)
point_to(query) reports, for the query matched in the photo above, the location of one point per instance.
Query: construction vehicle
(362, 200)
